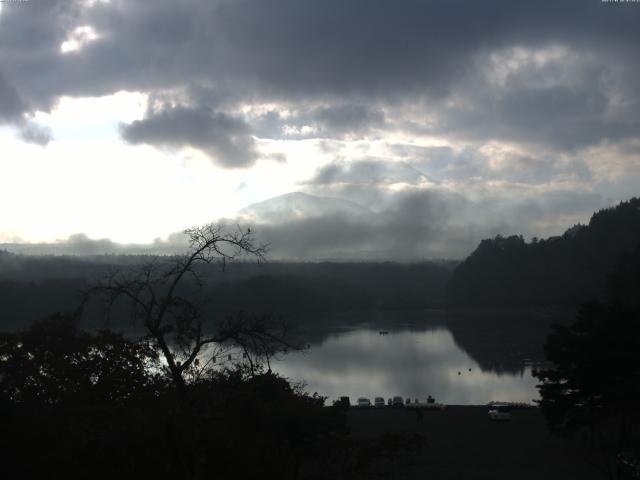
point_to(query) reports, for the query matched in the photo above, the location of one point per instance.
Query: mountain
(564, 270)
(298, 205)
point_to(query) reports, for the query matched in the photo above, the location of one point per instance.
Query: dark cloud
(549, 214)
(410, 225)
(33, 133)
(340, 54)
(12, 111)
(555, 98)
(368, 172)
(225, 139)
(340, 121)
(442, 163)
(445, 163)
(544, 169)
(414, 225)
(11, 106)
(345, 120)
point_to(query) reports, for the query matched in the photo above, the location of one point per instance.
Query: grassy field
(462, 443)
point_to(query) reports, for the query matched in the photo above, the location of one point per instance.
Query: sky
(411, 129)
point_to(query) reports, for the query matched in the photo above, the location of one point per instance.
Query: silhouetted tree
(595, 370)
(594, 378)
(165, 296)
(53, 362)
(623, 285)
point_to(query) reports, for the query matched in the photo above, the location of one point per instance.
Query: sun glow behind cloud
(88, 180)
(78, 38)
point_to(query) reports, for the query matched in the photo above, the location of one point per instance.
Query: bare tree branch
(175, 322)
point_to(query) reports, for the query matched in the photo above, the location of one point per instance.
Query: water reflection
(408, 362)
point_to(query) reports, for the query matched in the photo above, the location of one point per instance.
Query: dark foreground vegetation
(98, 406)
(592, 386)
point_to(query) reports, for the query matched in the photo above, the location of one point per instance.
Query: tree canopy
(594, 377)
(563, 270)
(53, 362)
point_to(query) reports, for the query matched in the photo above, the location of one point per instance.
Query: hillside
(564, 270)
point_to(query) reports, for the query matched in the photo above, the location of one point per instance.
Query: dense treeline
(336, 287)
(564, 270)
(32, 287)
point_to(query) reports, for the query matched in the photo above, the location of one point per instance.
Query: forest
(563, 270)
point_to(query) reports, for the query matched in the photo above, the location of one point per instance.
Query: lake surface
(409, 361)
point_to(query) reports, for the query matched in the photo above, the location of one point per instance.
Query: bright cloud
(78, 38)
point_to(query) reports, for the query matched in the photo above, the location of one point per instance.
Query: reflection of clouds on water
(410, 363)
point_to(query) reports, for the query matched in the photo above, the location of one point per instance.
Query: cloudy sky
(419, 127)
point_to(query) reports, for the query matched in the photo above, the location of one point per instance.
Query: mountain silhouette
(298, 205)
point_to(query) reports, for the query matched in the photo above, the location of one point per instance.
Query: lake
(410, 361)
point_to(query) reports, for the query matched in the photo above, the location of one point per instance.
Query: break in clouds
(486, 117)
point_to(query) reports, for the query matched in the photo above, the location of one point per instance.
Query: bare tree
(159, 300)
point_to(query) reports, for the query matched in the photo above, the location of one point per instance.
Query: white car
(500, 411)
(379, 402)
(363, 403)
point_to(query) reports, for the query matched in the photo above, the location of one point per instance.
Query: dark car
(343, 402)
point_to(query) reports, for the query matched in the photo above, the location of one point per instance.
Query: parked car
(363, 403)
(398, 402)
(500, 411)
(343, 402)
(379, 402)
